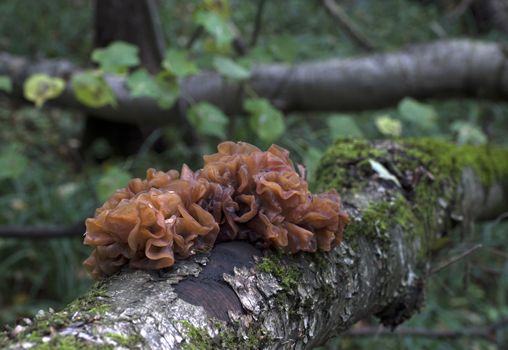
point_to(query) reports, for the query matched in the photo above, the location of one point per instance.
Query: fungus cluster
(241, 193)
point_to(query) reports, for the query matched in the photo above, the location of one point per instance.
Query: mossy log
(404, 198)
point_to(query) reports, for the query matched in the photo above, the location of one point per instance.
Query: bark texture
(456, 68)
(238, 296)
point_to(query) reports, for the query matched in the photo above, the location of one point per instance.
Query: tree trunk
(455, 68)
(239, 296)
(136, 22)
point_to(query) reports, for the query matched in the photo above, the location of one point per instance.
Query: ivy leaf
(117, 57)
(5, 83)
(41, 87)
(343, 126)
(92, 90)
(388, 126)
(215, 25)
(12, 162)
(230, 69)
(420, 114)
(177, 63)
(113, 179)
(208, 119)
(266, 121)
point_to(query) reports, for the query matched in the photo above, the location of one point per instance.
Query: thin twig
(194, 37)
(485, 332)
(257, 23)
(15, 231)
(347, 26)
(456, 258)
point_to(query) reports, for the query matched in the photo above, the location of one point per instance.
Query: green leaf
(92, 90)
(389, 126)
(113, 179)
(41, 87)
(420, 114)
(215, 25)
(169, 90)
(12, 162)
(266, 121)
(343, 126)
(230, 69)
(117, 57)
(5, 83)
(468, 133)
(311, 160)
(208, 119)
(177, 62)
(142, 84)
(284, 47)
(163, 88)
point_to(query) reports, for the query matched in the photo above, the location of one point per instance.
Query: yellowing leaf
(92, 90)
(388, 126)
(41, 87)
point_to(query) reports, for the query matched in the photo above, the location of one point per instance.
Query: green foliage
(468, 133)
(162, 89)
(266, 121)
(177, 62)
(113, 179)
(216, 25)
(117, 58)
(5, 83)
(422, 115)
(92, 90)
(12, 161)
(389, 126)
(39, 88)
(230, 69)
(343, 126)
(208, 119)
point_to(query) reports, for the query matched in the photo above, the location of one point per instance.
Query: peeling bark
(239, 296)
(455, 68)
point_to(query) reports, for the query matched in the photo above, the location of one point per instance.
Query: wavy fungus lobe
(240, 193)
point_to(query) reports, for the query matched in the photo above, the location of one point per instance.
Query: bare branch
(456, 258)
(443, 69)
(257, 23)
(15, 231)
(487, 332)
(347, 26)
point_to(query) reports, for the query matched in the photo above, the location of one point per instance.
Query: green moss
(67, 343)
(227, 337)
(332, 171)
(288, 276)
(88, 306)
(435, 168)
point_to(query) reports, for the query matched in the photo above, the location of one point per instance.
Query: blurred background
(59, 160)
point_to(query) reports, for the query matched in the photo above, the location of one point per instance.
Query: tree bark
(456, 68)
(136, 22)
(238, 296)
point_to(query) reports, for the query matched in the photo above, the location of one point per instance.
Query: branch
(347, 26)
(257, 23)
(239, 296)
(15, 231)
(456, 258)
(487, 332)
(443, 69)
